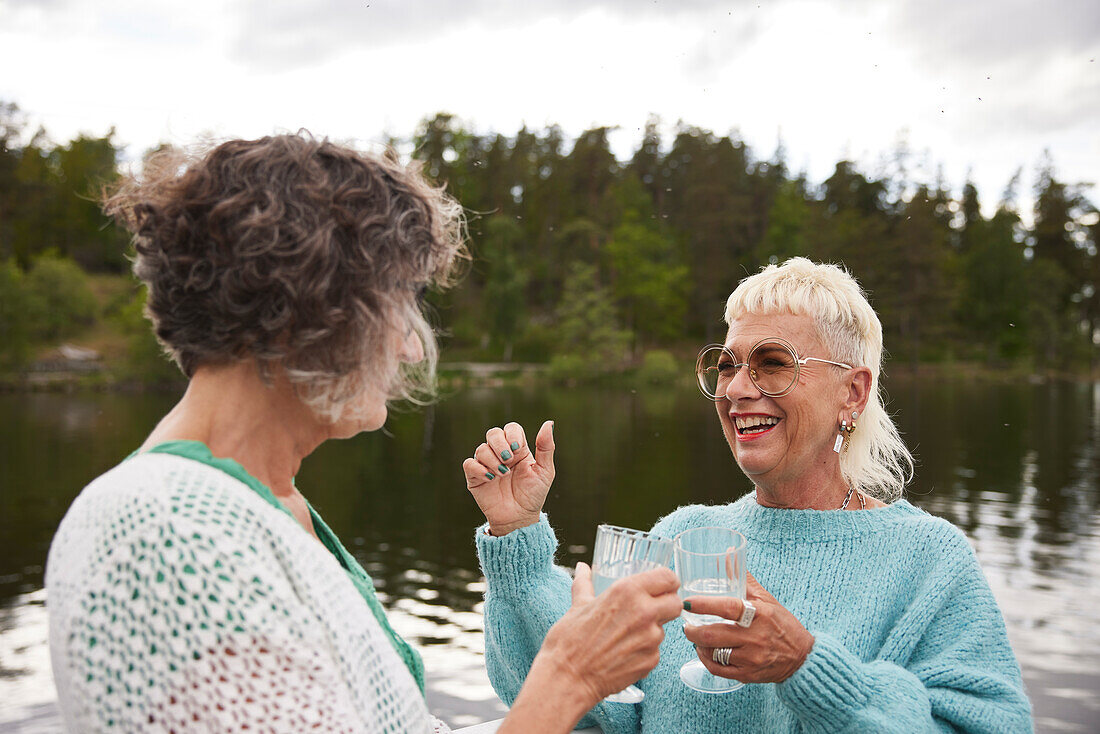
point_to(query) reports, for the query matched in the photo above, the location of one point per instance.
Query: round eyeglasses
(773, 368)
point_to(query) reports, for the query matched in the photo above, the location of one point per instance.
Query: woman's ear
(859, 391)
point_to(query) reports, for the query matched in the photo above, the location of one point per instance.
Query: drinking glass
(709, 562)
(621, 552)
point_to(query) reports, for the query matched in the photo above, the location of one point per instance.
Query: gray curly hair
(300, 254)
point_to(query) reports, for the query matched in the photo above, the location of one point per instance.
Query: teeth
(752, 421)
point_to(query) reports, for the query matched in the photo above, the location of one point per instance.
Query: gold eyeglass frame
(799, 362)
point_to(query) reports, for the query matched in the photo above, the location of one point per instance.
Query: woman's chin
(754, 463)
(371, 425)
(758, 478)
(352, 426)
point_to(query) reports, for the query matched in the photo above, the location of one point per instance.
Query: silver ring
(747, 614)
(721, 655)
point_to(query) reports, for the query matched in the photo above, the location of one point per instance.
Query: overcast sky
(975, 85)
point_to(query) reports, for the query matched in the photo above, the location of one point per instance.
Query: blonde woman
(863, 613)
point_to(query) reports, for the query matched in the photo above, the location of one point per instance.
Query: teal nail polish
(489, 475)
(687, 606)
(502, 469)
(506, 454)
(515, 446)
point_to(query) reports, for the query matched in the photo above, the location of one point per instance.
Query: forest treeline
(591, 262)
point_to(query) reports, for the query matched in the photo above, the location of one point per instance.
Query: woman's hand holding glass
(606, 643)
(769, 650)
(508, 481)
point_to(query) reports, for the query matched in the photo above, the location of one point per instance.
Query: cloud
(1033, 64)
(948, 33)
(283, 33)
(17, 5)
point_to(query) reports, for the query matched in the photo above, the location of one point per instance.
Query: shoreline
(99, 377)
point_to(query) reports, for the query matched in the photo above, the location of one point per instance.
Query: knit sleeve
(947, 666)
(525, 595)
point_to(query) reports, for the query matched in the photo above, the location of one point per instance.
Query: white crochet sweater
(180, 600)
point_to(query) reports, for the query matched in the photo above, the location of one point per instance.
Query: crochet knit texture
(181, 600)
(908, 637)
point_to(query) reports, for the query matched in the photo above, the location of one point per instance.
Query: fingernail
(506, 454)
(515, 446)
(502, 469)
(489, 475)
(687, 606)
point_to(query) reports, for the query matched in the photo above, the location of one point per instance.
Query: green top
(198, 451)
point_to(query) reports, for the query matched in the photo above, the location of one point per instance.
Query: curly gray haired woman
(193, 587)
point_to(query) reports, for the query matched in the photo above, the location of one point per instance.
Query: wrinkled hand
(769, 650)
(508, 482)
(607, 644)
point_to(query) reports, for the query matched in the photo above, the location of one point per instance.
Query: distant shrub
(535, 343)
(59, 301)
(569, 367)
(658, 368)
(146, 360)
(14, 331)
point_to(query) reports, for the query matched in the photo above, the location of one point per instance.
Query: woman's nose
(741, 386)
(412, 349)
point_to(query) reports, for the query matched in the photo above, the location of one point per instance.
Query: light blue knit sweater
(908, 635)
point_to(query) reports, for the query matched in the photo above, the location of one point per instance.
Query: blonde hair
(877, 461)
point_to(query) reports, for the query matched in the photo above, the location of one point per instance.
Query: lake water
(1016, 466)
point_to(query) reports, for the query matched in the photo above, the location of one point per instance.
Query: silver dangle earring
(839, 443)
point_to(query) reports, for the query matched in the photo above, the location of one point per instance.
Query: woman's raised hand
(508, 481)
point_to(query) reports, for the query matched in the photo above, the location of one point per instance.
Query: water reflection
(1015, 466)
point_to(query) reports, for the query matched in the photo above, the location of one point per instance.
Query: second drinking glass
(709, 562)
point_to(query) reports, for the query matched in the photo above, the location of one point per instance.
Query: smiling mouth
(751, 426)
